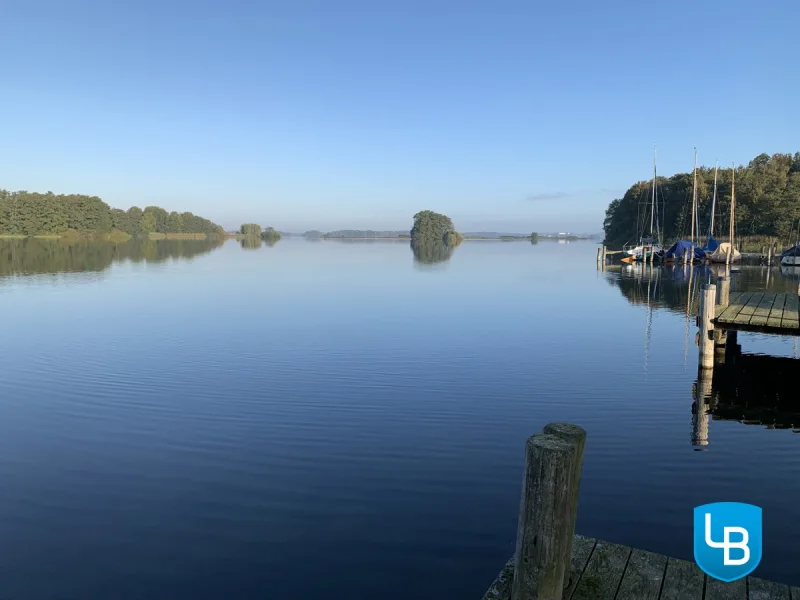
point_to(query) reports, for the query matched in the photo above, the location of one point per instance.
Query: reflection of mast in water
(649, 326)
(689, 296)
(702, 396)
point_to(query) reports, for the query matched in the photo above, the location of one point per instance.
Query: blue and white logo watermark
(727, 539)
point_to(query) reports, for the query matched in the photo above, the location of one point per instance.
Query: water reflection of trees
(36, 256)
(432, 253)
(676, 288)
(250, 242)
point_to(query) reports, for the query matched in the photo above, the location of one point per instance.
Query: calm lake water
(340, 420)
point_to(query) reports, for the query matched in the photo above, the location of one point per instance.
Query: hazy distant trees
(250, 229)
(30, 213)
(767, 201)
(271, 235)
(534, 238)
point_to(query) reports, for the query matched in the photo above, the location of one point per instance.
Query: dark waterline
(347, 420)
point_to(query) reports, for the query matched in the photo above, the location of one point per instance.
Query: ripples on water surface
(335, 419)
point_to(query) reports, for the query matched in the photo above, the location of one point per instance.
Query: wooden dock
(760, 312)
(551, 562)
(605, 571)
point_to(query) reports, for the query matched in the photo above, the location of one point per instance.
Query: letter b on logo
(727, 539)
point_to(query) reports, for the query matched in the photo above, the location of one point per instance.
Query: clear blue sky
(511, 116)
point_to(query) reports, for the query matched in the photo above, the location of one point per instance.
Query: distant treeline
(29, 213)
(355, 233)
(767, 202)
(34, 256)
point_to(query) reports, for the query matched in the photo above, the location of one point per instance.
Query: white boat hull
(791, 261)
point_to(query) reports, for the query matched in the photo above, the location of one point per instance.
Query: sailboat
(647, 245)
(791, 256)
(726, 252)
(689, 248)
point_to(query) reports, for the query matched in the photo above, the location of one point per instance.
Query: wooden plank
(718, 590)
(752, 303)
(733, 297)
(603, 572)
(581, 551)
(735, 307)
(760, 589)
(790, 316)
(776, 314)
(683, 581)
(643, 576)
(761, 313)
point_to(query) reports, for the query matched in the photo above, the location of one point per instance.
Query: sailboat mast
(653, 201)
(714, 200)
(733, 204)
(694, 194)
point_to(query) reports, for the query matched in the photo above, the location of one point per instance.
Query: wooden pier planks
(761, 314)
(790, 313)
(776, 314)
(759, 311)
(605, 571)
(735, 306)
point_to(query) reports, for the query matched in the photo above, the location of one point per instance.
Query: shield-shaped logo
(727, 539)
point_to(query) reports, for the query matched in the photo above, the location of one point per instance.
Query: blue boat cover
(711, 245)
(678, 249)
(793, 251)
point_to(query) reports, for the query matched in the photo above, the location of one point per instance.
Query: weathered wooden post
(769, 256)
(599, 254)
(722, 301)
(723, 290)
(763, 252)
(547, 513)
(705, 315)
(575, 435)
(685, 256)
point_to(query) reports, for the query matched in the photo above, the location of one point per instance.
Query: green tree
(148, 223)
(431, 228)
(271, 236)
(174, 223)
(767, 202)
(250, 229)
(29, 213)
(134, 220)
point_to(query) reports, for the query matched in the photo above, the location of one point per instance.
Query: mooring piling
(548, 508)
(705, 316)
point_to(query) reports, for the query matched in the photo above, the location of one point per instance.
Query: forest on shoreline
(29, 214)
(767, 193)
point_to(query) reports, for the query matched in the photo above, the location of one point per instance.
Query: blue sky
(512, 116)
